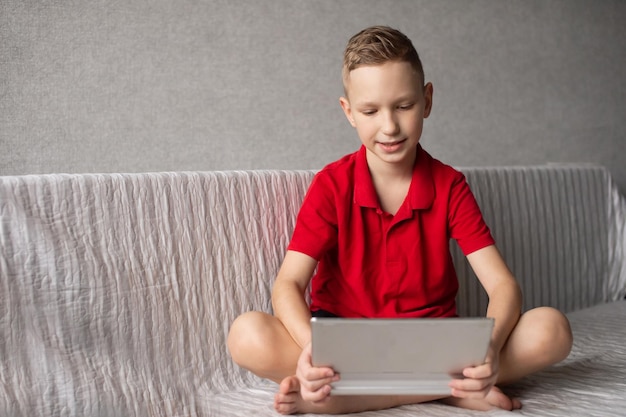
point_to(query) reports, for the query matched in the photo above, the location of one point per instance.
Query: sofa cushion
(590, 382)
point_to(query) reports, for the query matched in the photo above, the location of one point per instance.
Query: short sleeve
(465, 220)
(316, 224)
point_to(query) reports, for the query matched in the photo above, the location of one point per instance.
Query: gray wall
(160, 85)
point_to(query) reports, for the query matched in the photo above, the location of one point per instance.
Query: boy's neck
(391, 181)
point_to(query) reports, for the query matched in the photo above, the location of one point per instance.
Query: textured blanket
(117, 291)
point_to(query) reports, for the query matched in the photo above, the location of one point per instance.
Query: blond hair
(377, 45)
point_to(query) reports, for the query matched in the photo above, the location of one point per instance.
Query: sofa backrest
(123, 284)
(126, 285)
(561, 230)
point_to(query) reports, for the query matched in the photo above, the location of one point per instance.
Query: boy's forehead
(394, 74)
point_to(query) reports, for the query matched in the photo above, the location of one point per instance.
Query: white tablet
(398, 356)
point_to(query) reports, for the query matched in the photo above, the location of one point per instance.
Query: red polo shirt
(373, 264)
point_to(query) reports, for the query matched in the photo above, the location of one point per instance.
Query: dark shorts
(323, 313)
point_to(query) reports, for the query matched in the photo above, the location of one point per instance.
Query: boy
(376, 224)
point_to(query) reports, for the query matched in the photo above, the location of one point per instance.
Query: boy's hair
(377, 45)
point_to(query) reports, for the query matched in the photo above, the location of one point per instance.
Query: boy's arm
(505, 301)
(505, 295)
(291, 309)
(288, 300)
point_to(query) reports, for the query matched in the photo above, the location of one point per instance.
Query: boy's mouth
(391, 146)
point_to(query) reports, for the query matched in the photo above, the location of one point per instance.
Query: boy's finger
(470, 385)
(477, 372)
(317, 395)
(312, 373)
(314, 383)
(473, 392)
(318, 385)
(476, 395)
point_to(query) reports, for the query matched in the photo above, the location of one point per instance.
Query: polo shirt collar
(421, 192)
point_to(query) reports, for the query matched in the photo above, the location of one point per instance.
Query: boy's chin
(398, 157)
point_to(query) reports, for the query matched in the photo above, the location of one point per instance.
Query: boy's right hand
(314, 382)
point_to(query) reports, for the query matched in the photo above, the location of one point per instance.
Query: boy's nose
(390, 124)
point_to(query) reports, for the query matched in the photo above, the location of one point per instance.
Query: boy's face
(387, 105)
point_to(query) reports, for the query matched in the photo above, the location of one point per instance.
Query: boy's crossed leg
(260, 343)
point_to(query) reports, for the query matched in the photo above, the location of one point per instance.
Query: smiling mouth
(395, 142)
(391, 146)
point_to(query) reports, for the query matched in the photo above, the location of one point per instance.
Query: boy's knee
(245, 334)
(553, 334)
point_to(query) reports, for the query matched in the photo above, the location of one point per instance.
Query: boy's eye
(406, 107)
(368, 112)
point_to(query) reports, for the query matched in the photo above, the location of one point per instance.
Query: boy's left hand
(479, 379)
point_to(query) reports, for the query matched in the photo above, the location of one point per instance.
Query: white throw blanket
(117, 291)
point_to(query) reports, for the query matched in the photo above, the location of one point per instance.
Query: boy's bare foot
(499, 399)
(288, 400)
(495, 398)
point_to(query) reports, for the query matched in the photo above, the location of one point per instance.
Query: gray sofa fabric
(117, 290)
(561, 229)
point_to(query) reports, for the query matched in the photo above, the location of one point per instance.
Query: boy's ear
(347, 110)
(428, 99)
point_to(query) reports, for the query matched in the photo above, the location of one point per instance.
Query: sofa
(117, 290)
